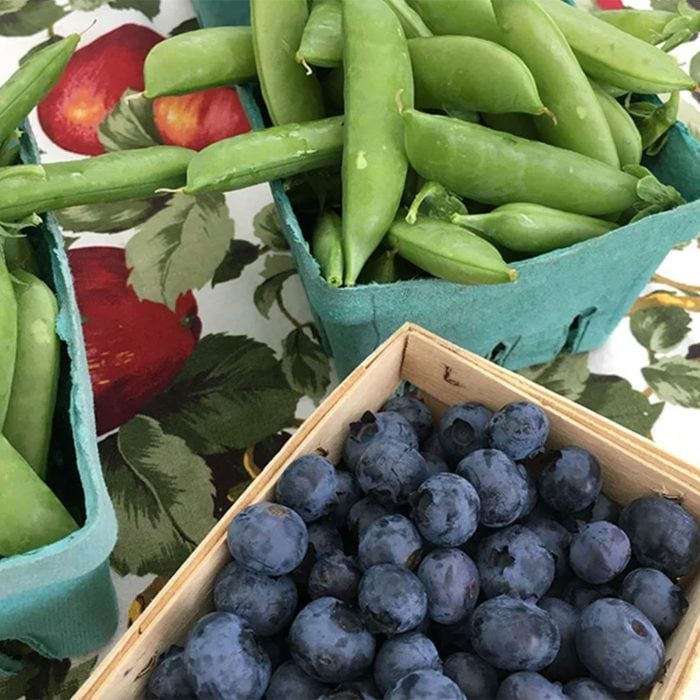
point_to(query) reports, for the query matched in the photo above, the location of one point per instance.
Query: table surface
(225, 324)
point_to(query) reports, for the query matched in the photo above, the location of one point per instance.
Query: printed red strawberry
(610, 4)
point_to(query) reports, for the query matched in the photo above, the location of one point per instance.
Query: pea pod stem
(327, 247)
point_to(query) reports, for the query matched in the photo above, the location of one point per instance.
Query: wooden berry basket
(632, 467)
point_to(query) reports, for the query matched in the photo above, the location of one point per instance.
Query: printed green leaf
(180, 247)
(7, 6)
(267, 227)
(305, 364)
(35, 16)
(129, 125)
(54, 38)
(86, 5)
(110, 217)
(238, 255)
(231, 393)
(660, 328)
(567, 375)
(676, 380)
(150, 8)
(614, 398)
(277, 269)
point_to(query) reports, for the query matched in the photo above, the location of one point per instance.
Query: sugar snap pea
(647, 25)
(610, 56)
(198, 60)
(327, 247)
(377, 68)
(494, 167)
(580, 124)
(628, 140)
(449, 252)
(517, 124)
(111, 177)
(8, 337)
(322, 40)
(380, 268)
(413, 25)
(532, 228)
(266, 154)
(31, 82)
(468, 17)
(461, 71)
(290, 94)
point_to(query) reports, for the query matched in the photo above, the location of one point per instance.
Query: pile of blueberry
(438, 564)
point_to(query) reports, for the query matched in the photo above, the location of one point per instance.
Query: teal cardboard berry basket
(59, 599)
(569, 300)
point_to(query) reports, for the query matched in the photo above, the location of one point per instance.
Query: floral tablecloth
(201, 347)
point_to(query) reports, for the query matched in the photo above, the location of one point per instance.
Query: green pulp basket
(60, 599)
(569, 300)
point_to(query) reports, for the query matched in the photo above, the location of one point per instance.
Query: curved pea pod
(628, 140)
(377, 68)
(647, 25)
(200, 59)
(111, 177)
(459, 72)
(449, 252)
(327, 247)
(517, 124)
(266, 154)
(610, 56)
(494, 167)
(322, 41)
(8, 338)
(579, 122)
(30, 514)
(413, 25)
(31, 82)
(289, 93)
(33, 398)
(467, 17)
(532, 228)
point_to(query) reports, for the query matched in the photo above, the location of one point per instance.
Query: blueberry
(434, 464)
(308, 486)
(390, 471)
(224, 660)
(570, 480)
(329, 640)
(476, 679)
(602, 509)
(267, 604)
(663, 534)
(336, 576)
(661, 600)
(501, 487)
(391, 599)
(531, 498)
(364, 689)
(462, 430)
(446, 509)
(567, 664)
(581, 594)
(618, 645)
(268, 538)
(348, 492)
(451, 581)
(400, 655)
(514, 635)
(527, 685)
(169, 680)
(556, 540)
(514, 561)
(324, 538)
(391, 539)
(363, 514)
(414, 411)
(289, 682)
(384, 425)
(587, 689)
(519, 429)
(425, 685)
(431, 446)
(599, 552)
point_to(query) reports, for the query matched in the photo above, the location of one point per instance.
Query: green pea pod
(266, 154)
(9, 150)
(459, 72)
(467, 17)
(449, 252)
(531, 228)
(380, 268)
(655, 121)
(413, 25)
(377, 70)
(31, 82)
(579, 122)
(200, 59)
(322, 40)
(610, 56)
(517, 124)
(290, 94)
(647, 25)
(628, 140)
(327, 247)
(32, 401)
(8, 338)
(111, 177)
(30, 514)
(20, 255)
(494, 167)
